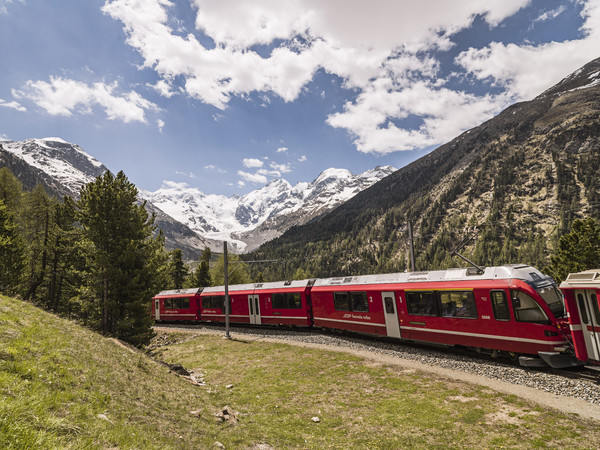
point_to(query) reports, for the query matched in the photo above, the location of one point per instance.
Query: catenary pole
(226, 276)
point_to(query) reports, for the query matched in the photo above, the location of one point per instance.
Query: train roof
(587, 278)
(172, 292)
(518, 271)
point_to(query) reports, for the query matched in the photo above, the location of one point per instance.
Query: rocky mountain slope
(190, 219)
(516, 183)
(265, 213)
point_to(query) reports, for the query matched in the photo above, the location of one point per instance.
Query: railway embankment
(64, 386)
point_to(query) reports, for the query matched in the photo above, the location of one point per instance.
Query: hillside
(519, 179)
(63, 386)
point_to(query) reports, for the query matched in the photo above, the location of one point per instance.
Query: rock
(196, 413)
(103, 417)
(315, 419)
(179, 370)
(227, 414)
(217, 444)
(229, 386)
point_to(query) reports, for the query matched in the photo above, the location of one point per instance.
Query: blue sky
(225, 95)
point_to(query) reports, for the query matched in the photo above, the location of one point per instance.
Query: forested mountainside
(517, 182)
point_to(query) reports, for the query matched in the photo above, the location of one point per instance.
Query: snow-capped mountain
(265, 213)
(190, 219)
(63, 168)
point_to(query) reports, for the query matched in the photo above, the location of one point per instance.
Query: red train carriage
(277, 303)
(513, 309)
(582, 298)
(177, 305)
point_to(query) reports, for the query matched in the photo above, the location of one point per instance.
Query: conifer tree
(578, 250)
(178, 271)
(11, 252)
(238, 271)
(201, 276)
(125, 257)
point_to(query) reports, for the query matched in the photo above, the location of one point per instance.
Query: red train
(513, 309)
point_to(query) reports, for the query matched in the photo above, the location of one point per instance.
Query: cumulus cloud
(251, 163)
(302, 158)
(13, 105)
(527, 70)
(66, 97)
(252, 177)
(386, 59)
(282, 149)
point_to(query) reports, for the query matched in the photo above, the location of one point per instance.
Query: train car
(177, 305)
(513, 309)
(582, 297)
(283, 303)
(241, 304)
(277, 303)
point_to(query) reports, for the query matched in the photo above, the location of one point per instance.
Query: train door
(391, 314)
(254, 308)
(157, 309)
(587, 304)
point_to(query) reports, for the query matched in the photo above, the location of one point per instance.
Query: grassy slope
(57, 380)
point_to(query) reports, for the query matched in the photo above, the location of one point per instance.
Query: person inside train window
(527, 309)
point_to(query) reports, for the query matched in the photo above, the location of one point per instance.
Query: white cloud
(5, 3)
(163, 87)
(214, 168)
(13, 105)
(160, 124)
(282, 149)
(66, 97)
(186, 174)
(251, 163)
(553, 14)
(281, 168)
(525, 71)
(302, 158)
(381, 49)
(253, 177)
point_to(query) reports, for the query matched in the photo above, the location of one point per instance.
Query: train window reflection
(458, 304)
(421, 303)
(500, 305)
(527, 309)
(596, 309)
(583, 309)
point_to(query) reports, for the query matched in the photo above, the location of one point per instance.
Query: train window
(500, 305)
(596, 310)
(168, 303)
(286, 300)
(421, 303)
(389, 305)
(341, 301)
(583, 309)
(350, 301)
(215, 302)
(359, 302)
(458, 304)
(527, 309)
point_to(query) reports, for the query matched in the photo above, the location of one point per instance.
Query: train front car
(582, 296)
(177, 305)
(513, 310)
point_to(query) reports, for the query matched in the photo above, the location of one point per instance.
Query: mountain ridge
(520, 178)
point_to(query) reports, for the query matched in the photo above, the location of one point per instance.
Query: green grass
(62, 386)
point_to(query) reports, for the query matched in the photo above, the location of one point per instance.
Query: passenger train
(512, 310)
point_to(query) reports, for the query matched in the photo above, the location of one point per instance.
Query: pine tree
(578, 250)
(11, 252)
(178, 271)
(201, 276)
(238, 271)
(125, 257)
